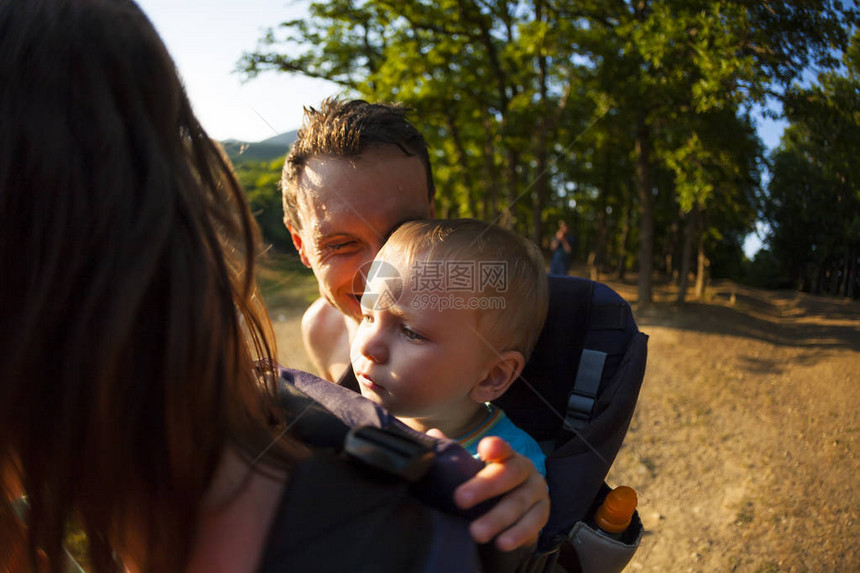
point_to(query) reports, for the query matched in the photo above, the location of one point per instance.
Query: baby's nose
(372, 343)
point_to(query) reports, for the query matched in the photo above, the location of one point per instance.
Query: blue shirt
(560, 258)
(498, 424)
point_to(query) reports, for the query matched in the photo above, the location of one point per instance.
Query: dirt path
(743, 446)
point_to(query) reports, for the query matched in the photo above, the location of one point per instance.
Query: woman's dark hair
(130, 324)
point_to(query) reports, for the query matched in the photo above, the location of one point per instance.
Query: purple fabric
(452, 465)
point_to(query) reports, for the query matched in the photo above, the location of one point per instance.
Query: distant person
(468, 304)
(561, 248)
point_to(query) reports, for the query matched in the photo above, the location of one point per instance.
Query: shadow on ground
(783, 318)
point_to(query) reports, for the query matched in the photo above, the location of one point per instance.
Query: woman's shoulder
(236, 515)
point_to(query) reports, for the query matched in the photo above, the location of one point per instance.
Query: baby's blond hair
(515, 325)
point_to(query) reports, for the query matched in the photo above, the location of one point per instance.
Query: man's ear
(299, 244)
(504, 369)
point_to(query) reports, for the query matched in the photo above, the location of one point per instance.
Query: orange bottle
(614, 514)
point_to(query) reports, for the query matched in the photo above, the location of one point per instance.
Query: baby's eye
(366, 319)
(411, 335)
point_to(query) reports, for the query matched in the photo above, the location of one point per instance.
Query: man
(356, 171)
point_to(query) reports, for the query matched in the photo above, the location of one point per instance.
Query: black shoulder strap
(546, 381)
(577, 393)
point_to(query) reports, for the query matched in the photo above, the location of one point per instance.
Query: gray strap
(580, 403)
(597, 553)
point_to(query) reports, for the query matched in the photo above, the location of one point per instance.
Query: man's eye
(340, 246)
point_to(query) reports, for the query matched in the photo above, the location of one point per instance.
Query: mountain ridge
(266, 150)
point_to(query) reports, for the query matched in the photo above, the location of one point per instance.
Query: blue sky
(206, 38)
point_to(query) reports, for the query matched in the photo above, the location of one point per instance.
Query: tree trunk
(465, 169)
(539, 201)
(471, 15)
(596, 255)
(675, 250)
(491, 176)
(507, 219)
(689, 225)
(814, 279)
(646, 212)
(836, 280)
(621, 264)
(541, 187)
(701, 268)
(851, 272)
(602, 235)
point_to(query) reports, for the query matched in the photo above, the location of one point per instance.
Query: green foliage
(727, 257)
(284, 282)
(813, 206)
(765, 271)
(634, 112)
(260, 181)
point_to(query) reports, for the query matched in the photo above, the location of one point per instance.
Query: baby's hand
(524, 508)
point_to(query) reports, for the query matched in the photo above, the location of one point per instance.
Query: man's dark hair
(348, 128)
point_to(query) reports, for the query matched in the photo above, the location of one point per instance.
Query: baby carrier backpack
(576, 397)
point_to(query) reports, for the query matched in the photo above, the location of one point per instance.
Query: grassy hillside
(266, 150)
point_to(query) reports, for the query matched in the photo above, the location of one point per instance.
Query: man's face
(347, 207)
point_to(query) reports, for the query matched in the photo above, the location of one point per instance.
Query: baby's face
(414, 354)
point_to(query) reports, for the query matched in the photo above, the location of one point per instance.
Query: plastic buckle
(390, 451)
(580, 403)
(578, 411)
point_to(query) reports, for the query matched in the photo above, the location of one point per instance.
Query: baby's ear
(504, 369)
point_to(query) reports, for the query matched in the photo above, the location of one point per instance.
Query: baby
(450, 313)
